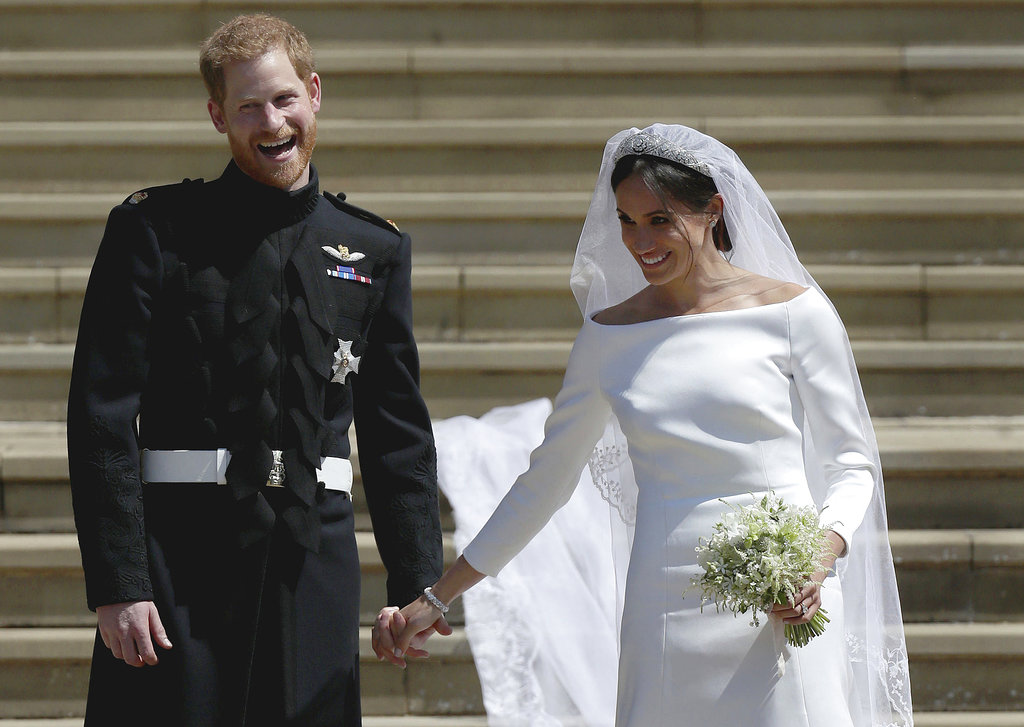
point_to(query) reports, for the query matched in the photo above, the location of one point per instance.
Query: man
(230, 333)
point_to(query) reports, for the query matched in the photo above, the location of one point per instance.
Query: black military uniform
(216, 319)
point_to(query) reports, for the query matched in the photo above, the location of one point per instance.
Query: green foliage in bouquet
(761, 555)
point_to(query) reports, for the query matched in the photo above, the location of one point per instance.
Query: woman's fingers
(805, 603)
(422, 620)
(382, 639)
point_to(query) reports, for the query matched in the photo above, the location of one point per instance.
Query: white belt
(211, 465)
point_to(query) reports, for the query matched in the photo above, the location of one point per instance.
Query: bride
(709, 367)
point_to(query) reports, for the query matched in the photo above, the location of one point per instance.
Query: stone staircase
(889, 136)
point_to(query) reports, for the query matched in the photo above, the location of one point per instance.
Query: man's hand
(129, 631)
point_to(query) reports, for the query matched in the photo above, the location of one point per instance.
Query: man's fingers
(442, 626)
(144, 645)
(115, 648)
(156, 628)
(129, 654)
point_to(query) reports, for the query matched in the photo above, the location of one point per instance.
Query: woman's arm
(570, 432)
(397, 634)
(828, 387)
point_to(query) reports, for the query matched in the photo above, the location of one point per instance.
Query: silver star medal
(344, 362)
(342, 253)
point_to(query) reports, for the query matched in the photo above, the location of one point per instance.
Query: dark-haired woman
(708, 349)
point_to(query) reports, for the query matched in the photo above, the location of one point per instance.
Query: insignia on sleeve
(138, 197)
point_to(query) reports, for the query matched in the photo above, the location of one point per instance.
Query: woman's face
(662, 241)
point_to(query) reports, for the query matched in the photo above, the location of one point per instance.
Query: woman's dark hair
(670, 180)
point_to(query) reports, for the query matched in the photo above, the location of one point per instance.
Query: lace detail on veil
(531, 674)
(891, 667)
(505, 666)
(604, 463)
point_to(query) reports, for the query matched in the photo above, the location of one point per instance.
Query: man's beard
(280, 176)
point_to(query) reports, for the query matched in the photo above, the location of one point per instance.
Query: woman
(711, 351)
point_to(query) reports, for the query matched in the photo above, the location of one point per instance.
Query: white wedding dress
(711, 405)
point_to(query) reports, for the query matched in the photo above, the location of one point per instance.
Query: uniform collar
(268, 203)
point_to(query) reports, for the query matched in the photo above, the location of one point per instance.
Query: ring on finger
(803, 609)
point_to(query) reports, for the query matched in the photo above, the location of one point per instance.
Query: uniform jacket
(213, 319)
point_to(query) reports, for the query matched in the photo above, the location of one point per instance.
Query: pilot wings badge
(343, 253)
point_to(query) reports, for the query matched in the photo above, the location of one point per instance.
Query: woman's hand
(392, 625)
(398, 635)
(807, 600)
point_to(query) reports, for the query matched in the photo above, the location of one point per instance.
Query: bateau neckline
(705, 314)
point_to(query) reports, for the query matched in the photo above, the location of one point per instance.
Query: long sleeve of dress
(109, 373)
(827, 385)
(570, 432)
(396, 444)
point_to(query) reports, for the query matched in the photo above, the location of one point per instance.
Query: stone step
(540, 81)
(953, 472)
(966, 666)
(944, 575)
(921, 719)
(44, 672)
(461, 302)
(497, 155)
(945, 473)
(969, 719)
(885, 227)
(900, 378)
(184, 23)
(960, 575)
(368, 721)
(42, 583)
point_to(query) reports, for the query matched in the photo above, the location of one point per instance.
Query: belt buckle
(276, 476)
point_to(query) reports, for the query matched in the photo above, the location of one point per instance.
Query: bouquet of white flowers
(761, 555)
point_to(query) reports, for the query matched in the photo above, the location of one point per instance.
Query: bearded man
(231, 332)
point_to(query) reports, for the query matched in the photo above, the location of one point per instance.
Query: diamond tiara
(644, 142)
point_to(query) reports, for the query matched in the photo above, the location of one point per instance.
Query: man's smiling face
(269, 116)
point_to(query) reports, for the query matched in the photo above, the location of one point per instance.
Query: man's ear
(217, 116)
(313, 87)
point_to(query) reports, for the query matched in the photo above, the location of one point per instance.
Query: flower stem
(801, 634)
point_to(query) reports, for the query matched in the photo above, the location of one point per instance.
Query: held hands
(130, 629)
(401, 634)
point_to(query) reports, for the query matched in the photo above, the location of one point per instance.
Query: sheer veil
(604, 274)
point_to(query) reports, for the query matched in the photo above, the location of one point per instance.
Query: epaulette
(164, 192)
(339, 202)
